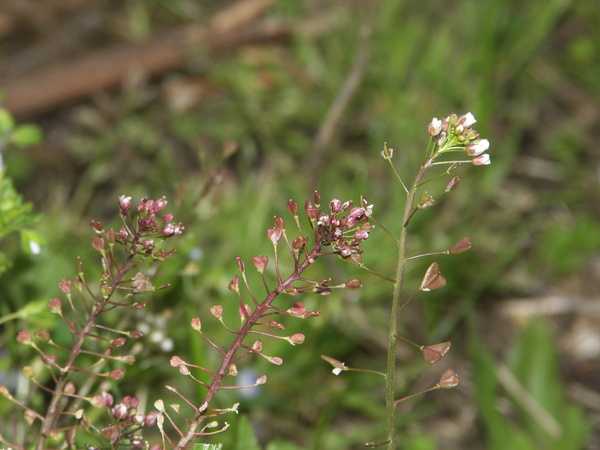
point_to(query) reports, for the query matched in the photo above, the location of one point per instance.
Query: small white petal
(482, 160)
(35, 248)
(467, 120)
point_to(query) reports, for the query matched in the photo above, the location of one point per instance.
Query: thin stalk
(397, 304)
(58, 392)
(229, 356)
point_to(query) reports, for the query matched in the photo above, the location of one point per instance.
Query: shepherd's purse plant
(79, 377)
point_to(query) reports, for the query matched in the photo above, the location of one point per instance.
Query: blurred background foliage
(231, 137)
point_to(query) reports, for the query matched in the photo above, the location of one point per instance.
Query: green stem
(397, 304)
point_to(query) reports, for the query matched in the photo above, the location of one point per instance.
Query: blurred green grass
(527, 71)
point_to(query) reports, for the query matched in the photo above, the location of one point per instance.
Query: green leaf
(26, 135)
(534, 363)
(245, 436)
(6, 122)
(208, 447)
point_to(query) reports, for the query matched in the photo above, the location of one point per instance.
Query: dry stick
(65, 83)
(334, 115)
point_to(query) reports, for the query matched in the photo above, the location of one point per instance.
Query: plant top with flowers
(314, 231)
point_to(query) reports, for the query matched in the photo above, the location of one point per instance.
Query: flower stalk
(452, 134)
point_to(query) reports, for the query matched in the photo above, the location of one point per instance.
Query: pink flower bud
(335, 206)
(317, 197)
(441, 138)
(171, 229)
(150, 419)
(167, 218)
(240, 264)
(148, 244)
(96, 226)
(125, 203)
(119, 411)
(357, 213)
(361, 235)
(160, 204)
(101, 400)
(279, 223)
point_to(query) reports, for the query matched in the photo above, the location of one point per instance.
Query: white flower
(481, 160)
(467, 120)
(477, 147)
(435, 127)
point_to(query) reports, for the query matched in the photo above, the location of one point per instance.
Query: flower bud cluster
(150, 224)
(454, 133)
(344, 227)
(129, 422)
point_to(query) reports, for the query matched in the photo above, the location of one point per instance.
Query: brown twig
(62, 84)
